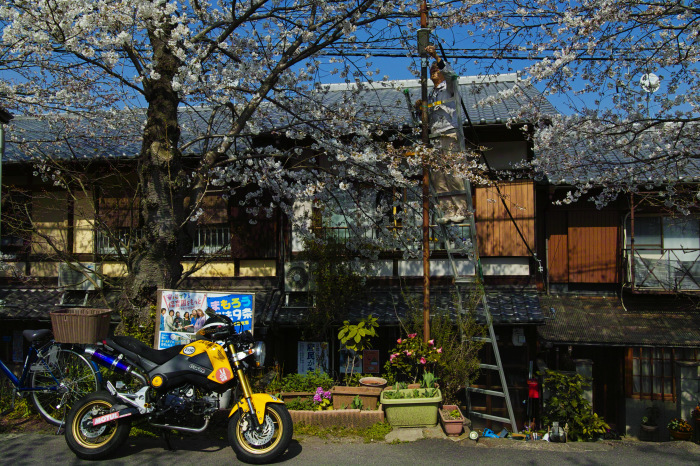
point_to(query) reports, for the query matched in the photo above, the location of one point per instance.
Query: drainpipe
(5, 118)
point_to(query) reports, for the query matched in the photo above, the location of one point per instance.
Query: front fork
(247, 390)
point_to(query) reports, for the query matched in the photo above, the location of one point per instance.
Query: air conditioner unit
(78, 276)
(297, 277)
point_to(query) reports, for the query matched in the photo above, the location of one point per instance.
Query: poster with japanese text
(312, 355)
(183, 313)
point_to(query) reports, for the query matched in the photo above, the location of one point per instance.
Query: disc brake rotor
(86, 427)
(258, 438)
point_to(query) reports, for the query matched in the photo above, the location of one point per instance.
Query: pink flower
(431, 342)
(423, 361)
(412, 335)
(408, 353)
(399, 341)
(439, 350)
(393, 356)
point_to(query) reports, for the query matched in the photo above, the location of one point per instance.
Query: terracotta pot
(452, 427)
(376, 382)
(344, 396)
(680, 435)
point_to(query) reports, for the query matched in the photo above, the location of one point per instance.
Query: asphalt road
(40, 449)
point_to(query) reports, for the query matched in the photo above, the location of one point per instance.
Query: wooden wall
(583, 246)
(496, 233)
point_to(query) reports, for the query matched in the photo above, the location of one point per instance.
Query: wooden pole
(426, 173)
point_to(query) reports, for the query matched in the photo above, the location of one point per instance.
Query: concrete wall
(635, 410)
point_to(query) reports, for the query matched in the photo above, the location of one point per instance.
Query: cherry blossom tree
(208, 95)
(625, 75)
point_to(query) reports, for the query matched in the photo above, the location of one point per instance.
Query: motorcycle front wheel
(90, 442)
(262, 446)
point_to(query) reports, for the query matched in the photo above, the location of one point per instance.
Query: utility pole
(423, 38)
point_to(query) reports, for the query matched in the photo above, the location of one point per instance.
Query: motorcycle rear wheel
(90, 442)
(261, 447)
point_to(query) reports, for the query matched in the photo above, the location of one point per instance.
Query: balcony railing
(663, 269)
(212, 240)
(343, 234)
(119, 240)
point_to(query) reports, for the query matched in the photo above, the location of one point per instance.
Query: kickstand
(166, 437)
(63, 421)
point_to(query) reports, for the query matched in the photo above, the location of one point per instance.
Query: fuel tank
(202, 363)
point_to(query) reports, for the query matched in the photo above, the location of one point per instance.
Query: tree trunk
(163, 189)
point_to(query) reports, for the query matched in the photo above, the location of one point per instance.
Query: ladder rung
(493, 367)
(486, 392)
(491, 417)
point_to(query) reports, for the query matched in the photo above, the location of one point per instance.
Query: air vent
(76, 276)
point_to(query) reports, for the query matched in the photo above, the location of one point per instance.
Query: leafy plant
(679, 425)
(428, 380)
(459, 362)
(451, 414)
(337, 281)
(412, 357)
(308, 382)
(301, 404)
(133, 325)
(356, 403)
(399, 393)
(357, 338)
(567, 405)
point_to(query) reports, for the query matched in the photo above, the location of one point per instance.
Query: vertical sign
(312, 355)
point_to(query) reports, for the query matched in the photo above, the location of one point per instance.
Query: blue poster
(237, 307)
(183, 313)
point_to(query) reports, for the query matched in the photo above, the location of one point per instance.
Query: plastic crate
(80, 325)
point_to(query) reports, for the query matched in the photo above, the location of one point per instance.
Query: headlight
(259, 350)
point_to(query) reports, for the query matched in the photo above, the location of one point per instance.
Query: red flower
(412, 335)
(423, 361)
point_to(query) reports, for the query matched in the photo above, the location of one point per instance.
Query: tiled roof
(508, 306)
(28, 304)
(383, 102)
(643, 321)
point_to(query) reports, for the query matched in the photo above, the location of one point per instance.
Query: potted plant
(356, 338)
(417, 407)
(649, 422)
(413, 407)
(680, 429)
(451, 419)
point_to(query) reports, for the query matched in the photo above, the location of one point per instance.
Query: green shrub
(308, 382)
(567, 405)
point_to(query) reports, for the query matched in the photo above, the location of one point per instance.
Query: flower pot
(344, 396)
(680, 435)
(411, 412)
(452, 427)
(375, 382)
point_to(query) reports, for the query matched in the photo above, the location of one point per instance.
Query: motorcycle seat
(138, 347)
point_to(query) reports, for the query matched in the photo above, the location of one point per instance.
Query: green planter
(411, 412)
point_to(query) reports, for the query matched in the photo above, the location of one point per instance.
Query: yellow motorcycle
(181, 388)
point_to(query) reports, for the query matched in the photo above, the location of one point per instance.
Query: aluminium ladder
(456, 246)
